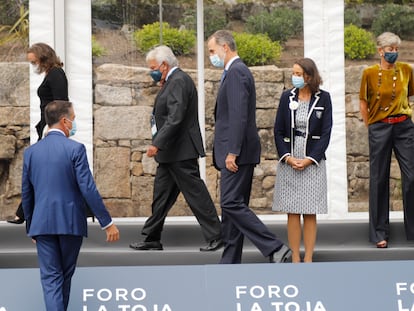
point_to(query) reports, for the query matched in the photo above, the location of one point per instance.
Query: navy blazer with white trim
(318, 126)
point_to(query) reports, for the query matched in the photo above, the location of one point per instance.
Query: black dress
(53, 87)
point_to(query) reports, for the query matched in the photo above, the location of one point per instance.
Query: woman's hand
(298, 164)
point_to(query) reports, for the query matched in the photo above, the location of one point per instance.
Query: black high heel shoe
(16, 221)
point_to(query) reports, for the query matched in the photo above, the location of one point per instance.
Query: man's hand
(231, 163)
(112, 233)
(152, 151)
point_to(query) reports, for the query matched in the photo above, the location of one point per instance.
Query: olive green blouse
(383, 98)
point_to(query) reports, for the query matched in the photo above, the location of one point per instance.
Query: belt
(395, 119)
(299, 133)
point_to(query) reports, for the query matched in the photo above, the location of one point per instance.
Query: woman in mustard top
(385, 110)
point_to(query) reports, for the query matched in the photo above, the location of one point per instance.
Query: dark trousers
(170, 180)
(238, 220)
(383, 139)
(19, 211)
(57, 255)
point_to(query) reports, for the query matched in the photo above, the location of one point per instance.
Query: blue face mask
(73, 130)
(156, 75)
(216, 61)
(298, 82)
(391, 57)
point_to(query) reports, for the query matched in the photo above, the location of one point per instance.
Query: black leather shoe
(212, 246)
(16, 221)
(147, 246)
(284, 254)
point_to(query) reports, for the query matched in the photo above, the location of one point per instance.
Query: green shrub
(279, 25)
(214, 19)
(17, 32)
(398, 19)
(378, 1)
(351, 16)
(10, 11)
(181, 42)
(97, 49)
(358, 43)
(257, 49)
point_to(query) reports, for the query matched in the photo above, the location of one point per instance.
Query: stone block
(268, 95)
(267, 74)
(123, 123)
(265, 118)
(14, 182)
(149, 165)
(14, 84)
(353, 76)
(7, 146)
(14, 116)
(120, 75)
(142, 190)
(268, 182)
(356, 137)
(267, 143)
(119, 207)
(107, 95)
(352, 105)
(112, 172)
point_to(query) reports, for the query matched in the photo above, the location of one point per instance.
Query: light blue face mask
(73, 130)
(216, 61)
(298, 82)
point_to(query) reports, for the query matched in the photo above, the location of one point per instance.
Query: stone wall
(123, 99)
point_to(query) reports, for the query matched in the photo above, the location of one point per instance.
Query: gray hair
(388, 39)
(224, 37)
(162, 53)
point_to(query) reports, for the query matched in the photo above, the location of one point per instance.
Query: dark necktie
(223, 76)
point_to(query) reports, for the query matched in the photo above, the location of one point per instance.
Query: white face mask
(36, 69)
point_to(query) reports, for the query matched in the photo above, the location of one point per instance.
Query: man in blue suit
(56, 183)
(236, 153)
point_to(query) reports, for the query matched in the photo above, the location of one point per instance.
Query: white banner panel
(323, 22)
(79, 68)
(66, 26)
(336, 286)
(41, 23)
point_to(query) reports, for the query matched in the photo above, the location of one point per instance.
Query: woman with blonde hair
(385, 110)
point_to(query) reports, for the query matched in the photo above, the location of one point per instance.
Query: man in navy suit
(176, 145)
(236, 153)
(56, 183)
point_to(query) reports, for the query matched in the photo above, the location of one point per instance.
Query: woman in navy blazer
(302, 132)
